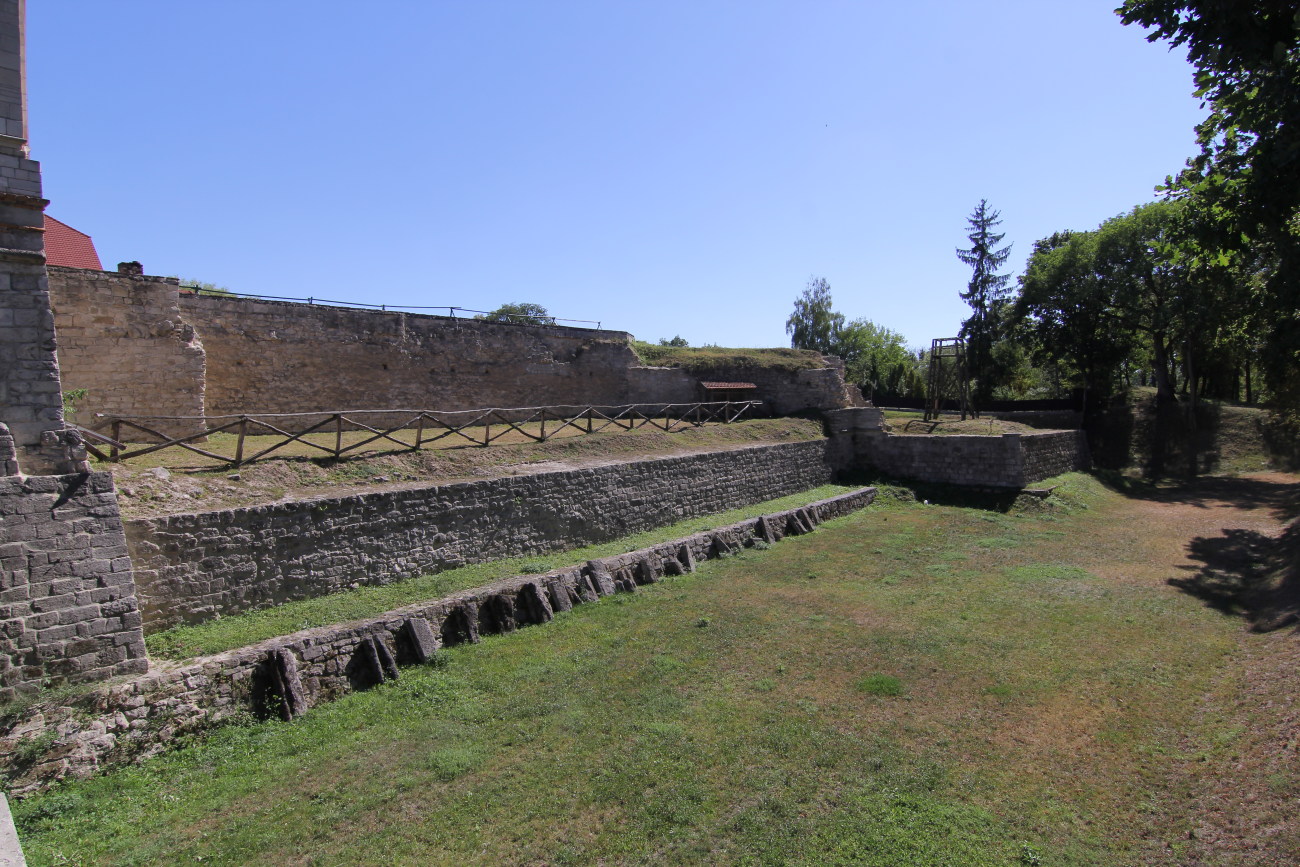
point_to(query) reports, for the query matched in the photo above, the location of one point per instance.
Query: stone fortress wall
(127, 344)
(141, 346)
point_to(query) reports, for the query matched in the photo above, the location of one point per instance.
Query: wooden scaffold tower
(948, 377)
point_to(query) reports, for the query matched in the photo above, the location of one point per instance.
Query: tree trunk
(1193, 441)
(1160, 370)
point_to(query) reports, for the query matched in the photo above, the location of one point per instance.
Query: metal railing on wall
(416, 428)
(452, 312)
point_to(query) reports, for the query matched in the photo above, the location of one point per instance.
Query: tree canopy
(523, 312)
(1245, 182)
(876, 358)
(813, 324)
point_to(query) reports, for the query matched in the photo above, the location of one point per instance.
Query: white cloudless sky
(667, 168)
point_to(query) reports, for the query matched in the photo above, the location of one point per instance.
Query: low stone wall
(288, 675)
(193, 567)
(1007, 461)
(1050, 454)
(67, 597)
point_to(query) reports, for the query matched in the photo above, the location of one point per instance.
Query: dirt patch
(1236, 770)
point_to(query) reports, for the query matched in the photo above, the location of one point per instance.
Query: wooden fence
(417, 428)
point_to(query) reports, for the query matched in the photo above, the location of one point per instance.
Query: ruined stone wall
(268, 356)
(122, 338)
(67, 598)
(193, 567)
(286, 676)
(141, 346)
(785, 391)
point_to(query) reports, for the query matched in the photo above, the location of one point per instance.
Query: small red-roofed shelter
(718, 391)
(66, 246)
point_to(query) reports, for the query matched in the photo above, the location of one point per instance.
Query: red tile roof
(66, 246)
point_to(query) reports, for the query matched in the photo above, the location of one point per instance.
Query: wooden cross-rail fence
(419, 427)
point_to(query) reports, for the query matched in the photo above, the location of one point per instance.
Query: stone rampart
(193, 567)
(286, 676)
(785, 391)
(270, 356)
(67, 598)
(142, 346)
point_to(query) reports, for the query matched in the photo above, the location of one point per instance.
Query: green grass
(718, 718)
(703, 359)
(880, 684)
(214, 636)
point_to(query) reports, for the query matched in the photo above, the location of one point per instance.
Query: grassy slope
(702, 359)
(731, 717)
(198, 484)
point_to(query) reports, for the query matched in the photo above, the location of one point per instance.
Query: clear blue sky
(664, 167)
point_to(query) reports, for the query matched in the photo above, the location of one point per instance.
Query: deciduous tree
(1246, 178)
(813, 324)
(525, 312)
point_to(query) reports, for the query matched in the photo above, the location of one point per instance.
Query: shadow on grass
(1249, 575)
(990, 499)
(1281, 498)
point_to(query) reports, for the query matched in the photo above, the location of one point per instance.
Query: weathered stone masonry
(141, 346)
(193, 567)
(67, 599)
(123, 339)
(858, 440)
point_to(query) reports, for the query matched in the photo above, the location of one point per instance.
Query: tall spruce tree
(985, 293)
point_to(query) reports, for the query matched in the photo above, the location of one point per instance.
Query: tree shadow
(1249, 575)
(1280, 498)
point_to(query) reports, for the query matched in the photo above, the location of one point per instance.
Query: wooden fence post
(239, 443)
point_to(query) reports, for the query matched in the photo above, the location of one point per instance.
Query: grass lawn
(911, 685)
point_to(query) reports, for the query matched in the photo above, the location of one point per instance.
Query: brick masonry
(68, 610)
(285, 676)
(193, 567)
